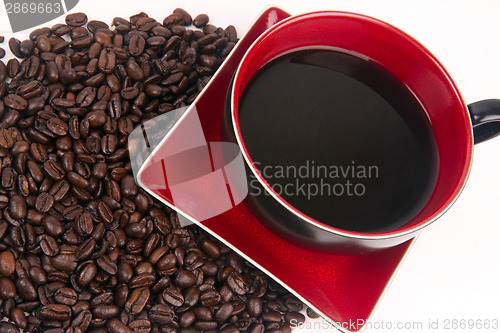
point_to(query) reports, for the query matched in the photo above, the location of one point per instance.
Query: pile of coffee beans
(82, 247)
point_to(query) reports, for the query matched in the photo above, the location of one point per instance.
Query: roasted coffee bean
(86, 96)
(17, 234)
(254, 306)
(142, 280)
(107, 60)
(66, 296)
(26, 289)
(200, 20)
(103, 37)
(144, 268)
(4, 201)
(135, 230)
(191, 296)
(64, 261)
(72, 211)
(293, 303)
(105, 298)
(224, 312)
(14, 46)
(185, 279)
(38, 275)
(40, 32)
(237, 283)
(167, 262)
(105, 212)
(54, 170)
(142, 202)
(60, 29)
(87, 274)
(121, 25)
(208, 60)
(117, 174)
(107, 265)
(210, 298)
(7, 263)
(272, 316)
(12, 67)
(136, 45)
(19, 318)
(186, 17)
(77, 180)
(52, 73)
(125, 272)
(173, 19)
(44, 202)
(162, 314)
(146, 23)
(59, 190)
(55, 312)
(140, 326)
(30, 90)
(76, 19)
(18, 209)
(311, 313)
(80, 38)
(8, 327)
(173, 296)
(294, 318)
(23, 185)
(15, 102)
(99, 170)
(99, 230)
(187, 319)
(206, 325)
(114, 106)
(257, 328)
(64, 143)
(82, 319)
(231, 33)
(211, 248)
(6, 139)
(137, 300)
(38, 152)
(94, 26)
(203, 313)
(83, 224)
(42, 42)
(105, 311)
(129, 93)
(109, 144)
(7, 288)
(134, 71)
(114, 325)
(57, 126)
(207, 39)
(49, 246)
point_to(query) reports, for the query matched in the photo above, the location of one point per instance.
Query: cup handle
(485, 117)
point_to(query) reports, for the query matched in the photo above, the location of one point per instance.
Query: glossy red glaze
(343, 289)
(409, 62)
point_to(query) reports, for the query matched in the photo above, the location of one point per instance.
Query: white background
(453, 271)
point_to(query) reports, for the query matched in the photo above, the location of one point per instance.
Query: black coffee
(340, 139)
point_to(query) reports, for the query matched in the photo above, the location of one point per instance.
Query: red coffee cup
(455, 125)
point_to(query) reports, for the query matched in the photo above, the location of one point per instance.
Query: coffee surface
(340, 139)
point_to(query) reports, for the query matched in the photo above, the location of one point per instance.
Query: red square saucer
(343, 289)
